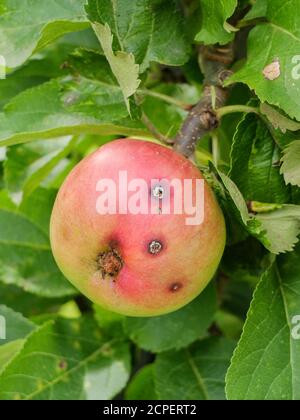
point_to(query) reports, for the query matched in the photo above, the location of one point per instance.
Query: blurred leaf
(142, 385)
(26, 258)
(69, 310)
(43, 167)
(5, 201)
(259, 9)
(236, 297)
(59, 356)
(8, 351)
(30, 165)
(245, 261)
(197, 373)
(108, 374)
(175, 330)
(230, 325)
(27, 303)
(266, 362)
(28, 26)
(109, 322)
(214, 21)
(38, 207)
(39, 69)
(16, 326)
(83, 39)
(167, 117)
(75, 105)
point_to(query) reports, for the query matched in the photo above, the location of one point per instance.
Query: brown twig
(202, 119)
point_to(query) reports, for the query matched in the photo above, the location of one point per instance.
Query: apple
(136, 228)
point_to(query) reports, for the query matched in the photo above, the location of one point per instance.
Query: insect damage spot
(155, 247)
(272, 71)
(158, 192)
(175, 287)
(110, 263)
(62, 365)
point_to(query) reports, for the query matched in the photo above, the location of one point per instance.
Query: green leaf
(122, 64)
(27, 303)
(259, 9)
(69, 310)
(266, 363)
(28, 166)
(281, 228)
(258, 207)
(8, 351)
(282, 35)
(44, 166)
(109, 322)
(16, 326)
(142, 385)
(5, 201)
(245, 262)
(108, 374)
(168, 117)
(238, 204)
(61, 360)
(255, 161)
(39, 69)
(26, 258)
(16, 230)
(161, 333)
(197, 373)
(290, 167)
(232, 203)
(278, 120)
(230, 325)
(278, 230)
(75, 105)
(215, 28)
(28, 26)
(150, 30)
(38, 207)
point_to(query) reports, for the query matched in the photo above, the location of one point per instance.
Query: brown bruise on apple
(110, 263)
(175, 287)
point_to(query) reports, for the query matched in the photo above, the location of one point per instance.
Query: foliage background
(80, 75)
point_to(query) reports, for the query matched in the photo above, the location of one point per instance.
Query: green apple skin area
(146, 284)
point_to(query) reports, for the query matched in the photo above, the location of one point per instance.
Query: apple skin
(147, 284)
